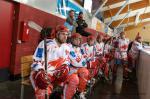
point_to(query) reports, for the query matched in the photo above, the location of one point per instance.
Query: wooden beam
(100, 7)
(110, 2)
(149, 2)
(131, 19)
(114, 17)
(133, 6)
(79, 2)
(110, 12)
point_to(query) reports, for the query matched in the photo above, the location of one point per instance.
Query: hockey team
(72, 65)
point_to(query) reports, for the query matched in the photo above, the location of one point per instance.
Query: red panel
(25, 14)
(6, 17)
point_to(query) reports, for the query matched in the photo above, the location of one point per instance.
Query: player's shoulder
(66, 46)
(84, 44)
(48, 41)
(69, 44)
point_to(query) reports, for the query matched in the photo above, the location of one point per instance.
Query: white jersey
(134, 51)
(99, 48)
(123, 47)
(89, 51)
(76, 57)
(56, 55)
(123, 44)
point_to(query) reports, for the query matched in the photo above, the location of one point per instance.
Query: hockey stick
(38, 28)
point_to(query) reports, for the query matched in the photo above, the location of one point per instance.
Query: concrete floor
(105, 91)
(11, 90)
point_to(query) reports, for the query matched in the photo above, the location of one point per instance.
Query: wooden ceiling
(130, 19)
(110, 2)
(136, 5)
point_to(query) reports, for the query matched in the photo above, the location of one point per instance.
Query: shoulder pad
(50, 41)
(85, 44)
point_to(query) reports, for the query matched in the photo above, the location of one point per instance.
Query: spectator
(70, 22)
(81, 25)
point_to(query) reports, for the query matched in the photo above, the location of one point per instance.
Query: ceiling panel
(110, 2)
(116, 5)
(133, 6)
(130, 19)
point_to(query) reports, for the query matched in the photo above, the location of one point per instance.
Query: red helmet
(91, 37)
(61, 28)
(99, 36)
(61, 73)
(76, 35)
(106, 37)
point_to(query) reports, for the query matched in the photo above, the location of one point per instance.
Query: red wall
(26, 13)
(6, 21)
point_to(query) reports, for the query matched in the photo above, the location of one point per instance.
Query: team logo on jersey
(56, 63)
(72, 54)
(39, 52)
(83, 63)
(82, 52)
(124, 47)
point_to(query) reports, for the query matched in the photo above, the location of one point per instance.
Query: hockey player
(123, 46)
(57, 63)
(122, 52)
(108, 48)
(134, 51)
(105, 55)
(78, 75)
(99, 45)
(89, 51)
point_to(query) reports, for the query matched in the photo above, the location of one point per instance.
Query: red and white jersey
(123, 44)
(56, 55)
(134, 51)
(99, 48)
(76, 57)
(89, 51)
(123, 47)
